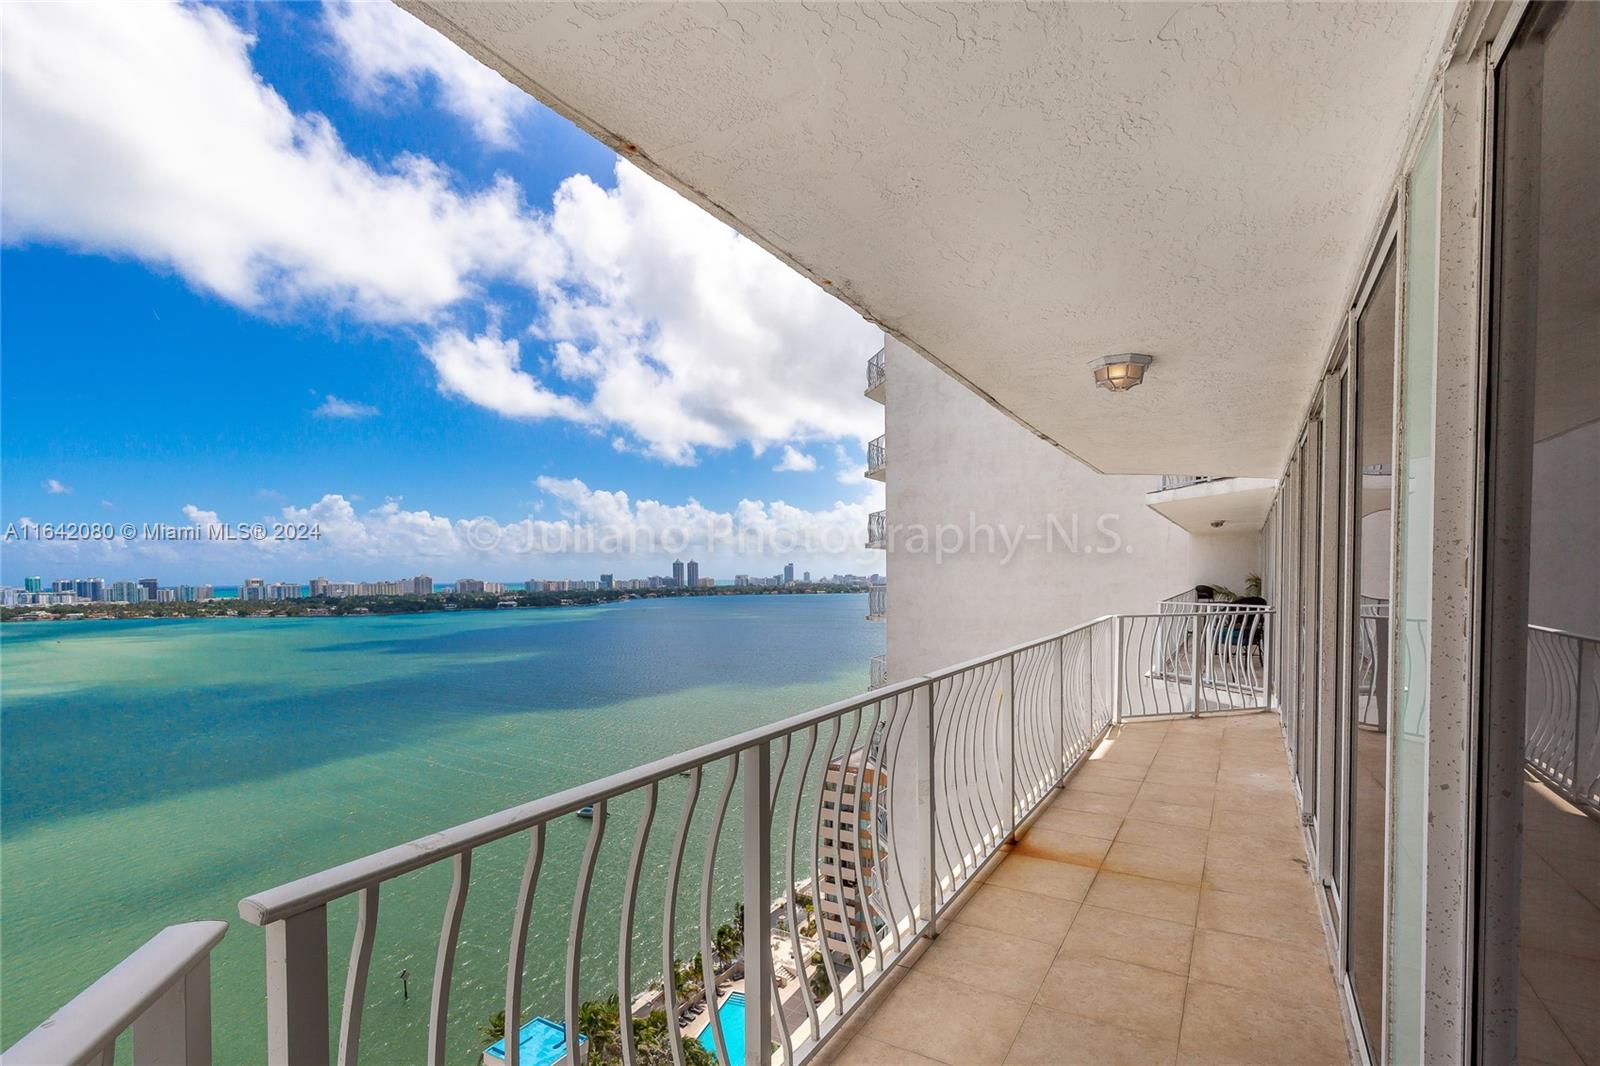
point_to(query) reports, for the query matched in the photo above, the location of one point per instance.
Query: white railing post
(1194, 663)
(1011, 748)
(927, 807)
(176, 1029)
(1267, 656)
(758, 977)
(297, 989)
(1061, 686)
(1116, 670)
(1584, 707)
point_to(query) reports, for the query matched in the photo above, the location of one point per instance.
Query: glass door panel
(1367, 710)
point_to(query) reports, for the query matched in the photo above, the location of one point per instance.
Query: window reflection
(1548, 316)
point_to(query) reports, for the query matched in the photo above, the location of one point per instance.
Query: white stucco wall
(963, 477)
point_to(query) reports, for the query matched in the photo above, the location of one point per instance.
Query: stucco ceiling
(1015, 189)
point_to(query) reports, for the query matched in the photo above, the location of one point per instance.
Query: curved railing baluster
(774, 789)
(519, 944)
(845, 789)
(800, 778)
(820, 895)
(355, 982)
(580, 908)
(707, 953)
(669, 918)
(445, 961)
(630, 896)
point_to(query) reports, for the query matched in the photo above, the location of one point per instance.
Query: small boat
(681, 773)
(586, 811)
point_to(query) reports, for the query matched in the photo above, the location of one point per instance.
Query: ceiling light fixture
(1119, 373)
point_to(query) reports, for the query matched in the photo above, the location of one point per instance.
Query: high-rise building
(806, 577)
(692, 574)
(150, 586)
(677, 573)
(741, 581)
(125, 592)
(607, 581)
(33, 584)
(788, 574)
(254, 588)
(319, 586)
(422, 585)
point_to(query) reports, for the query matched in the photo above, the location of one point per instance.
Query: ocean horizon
(154, 772)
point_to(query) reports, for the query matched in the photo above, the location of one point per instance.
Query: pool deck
(1159, 910)
(725, 990)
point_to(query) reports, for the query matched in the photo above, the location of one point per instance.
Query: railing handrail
(1569, 634)
(82, 1028)
(315, 890)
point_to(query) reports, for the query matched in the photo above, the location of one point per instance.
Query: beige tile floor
(1158, 911)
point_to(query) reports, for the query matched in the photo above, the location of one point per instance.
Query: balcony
(878, 459)
(1204, 503)
(878, 529)
(1084, 866)
(875, 377)
(1156, 907)
(877, 602)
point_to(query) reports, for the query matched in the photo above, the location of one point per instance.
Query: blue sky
(313, 263)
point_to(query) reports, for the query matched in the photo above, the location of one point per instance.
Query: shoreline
(375, 606)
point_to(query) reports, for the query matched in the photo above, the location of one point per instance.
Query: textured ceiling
(1017, 189)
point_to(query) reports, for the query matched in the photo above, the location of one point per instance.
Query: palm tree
(821, 986)
(493, 1030)
(599, 1020)
(727, 942)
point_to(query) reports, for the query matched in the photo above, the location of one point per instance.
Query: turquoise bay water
(157, 772)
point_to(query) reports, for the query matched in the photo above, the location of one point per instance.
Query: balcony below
(876, 377)
(1158, 910)
(878, 459)
(1203, 504)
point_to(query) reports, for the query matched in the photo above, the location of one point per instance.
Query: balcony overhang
(1014, 190)
(1225, 505)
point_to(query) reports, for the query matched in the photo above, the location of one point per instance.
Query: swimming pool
(731, 1014)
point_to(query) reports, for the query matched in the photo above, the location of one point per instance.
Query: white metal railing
(1562, 728)
(875, 370)
(877, 602)
(924, 780)
(1194, 657)
(878, 529)
(877, 456)
(864, 818)
(162, 992)
(879, 676)
(1181, 481)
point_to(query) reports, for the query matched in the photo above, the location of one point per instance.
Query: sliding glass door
(1539, 790)
(1366, 707)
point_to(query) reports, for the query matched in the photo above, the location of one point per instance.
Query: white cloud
(690, 335)
(571, 530)
(54, 487)
(488, 371)
(794, 459)
(143, 131)
(388, 52)
(333, 407)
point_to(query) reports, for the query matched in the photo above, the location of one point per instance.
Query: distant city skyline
(36, 590)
